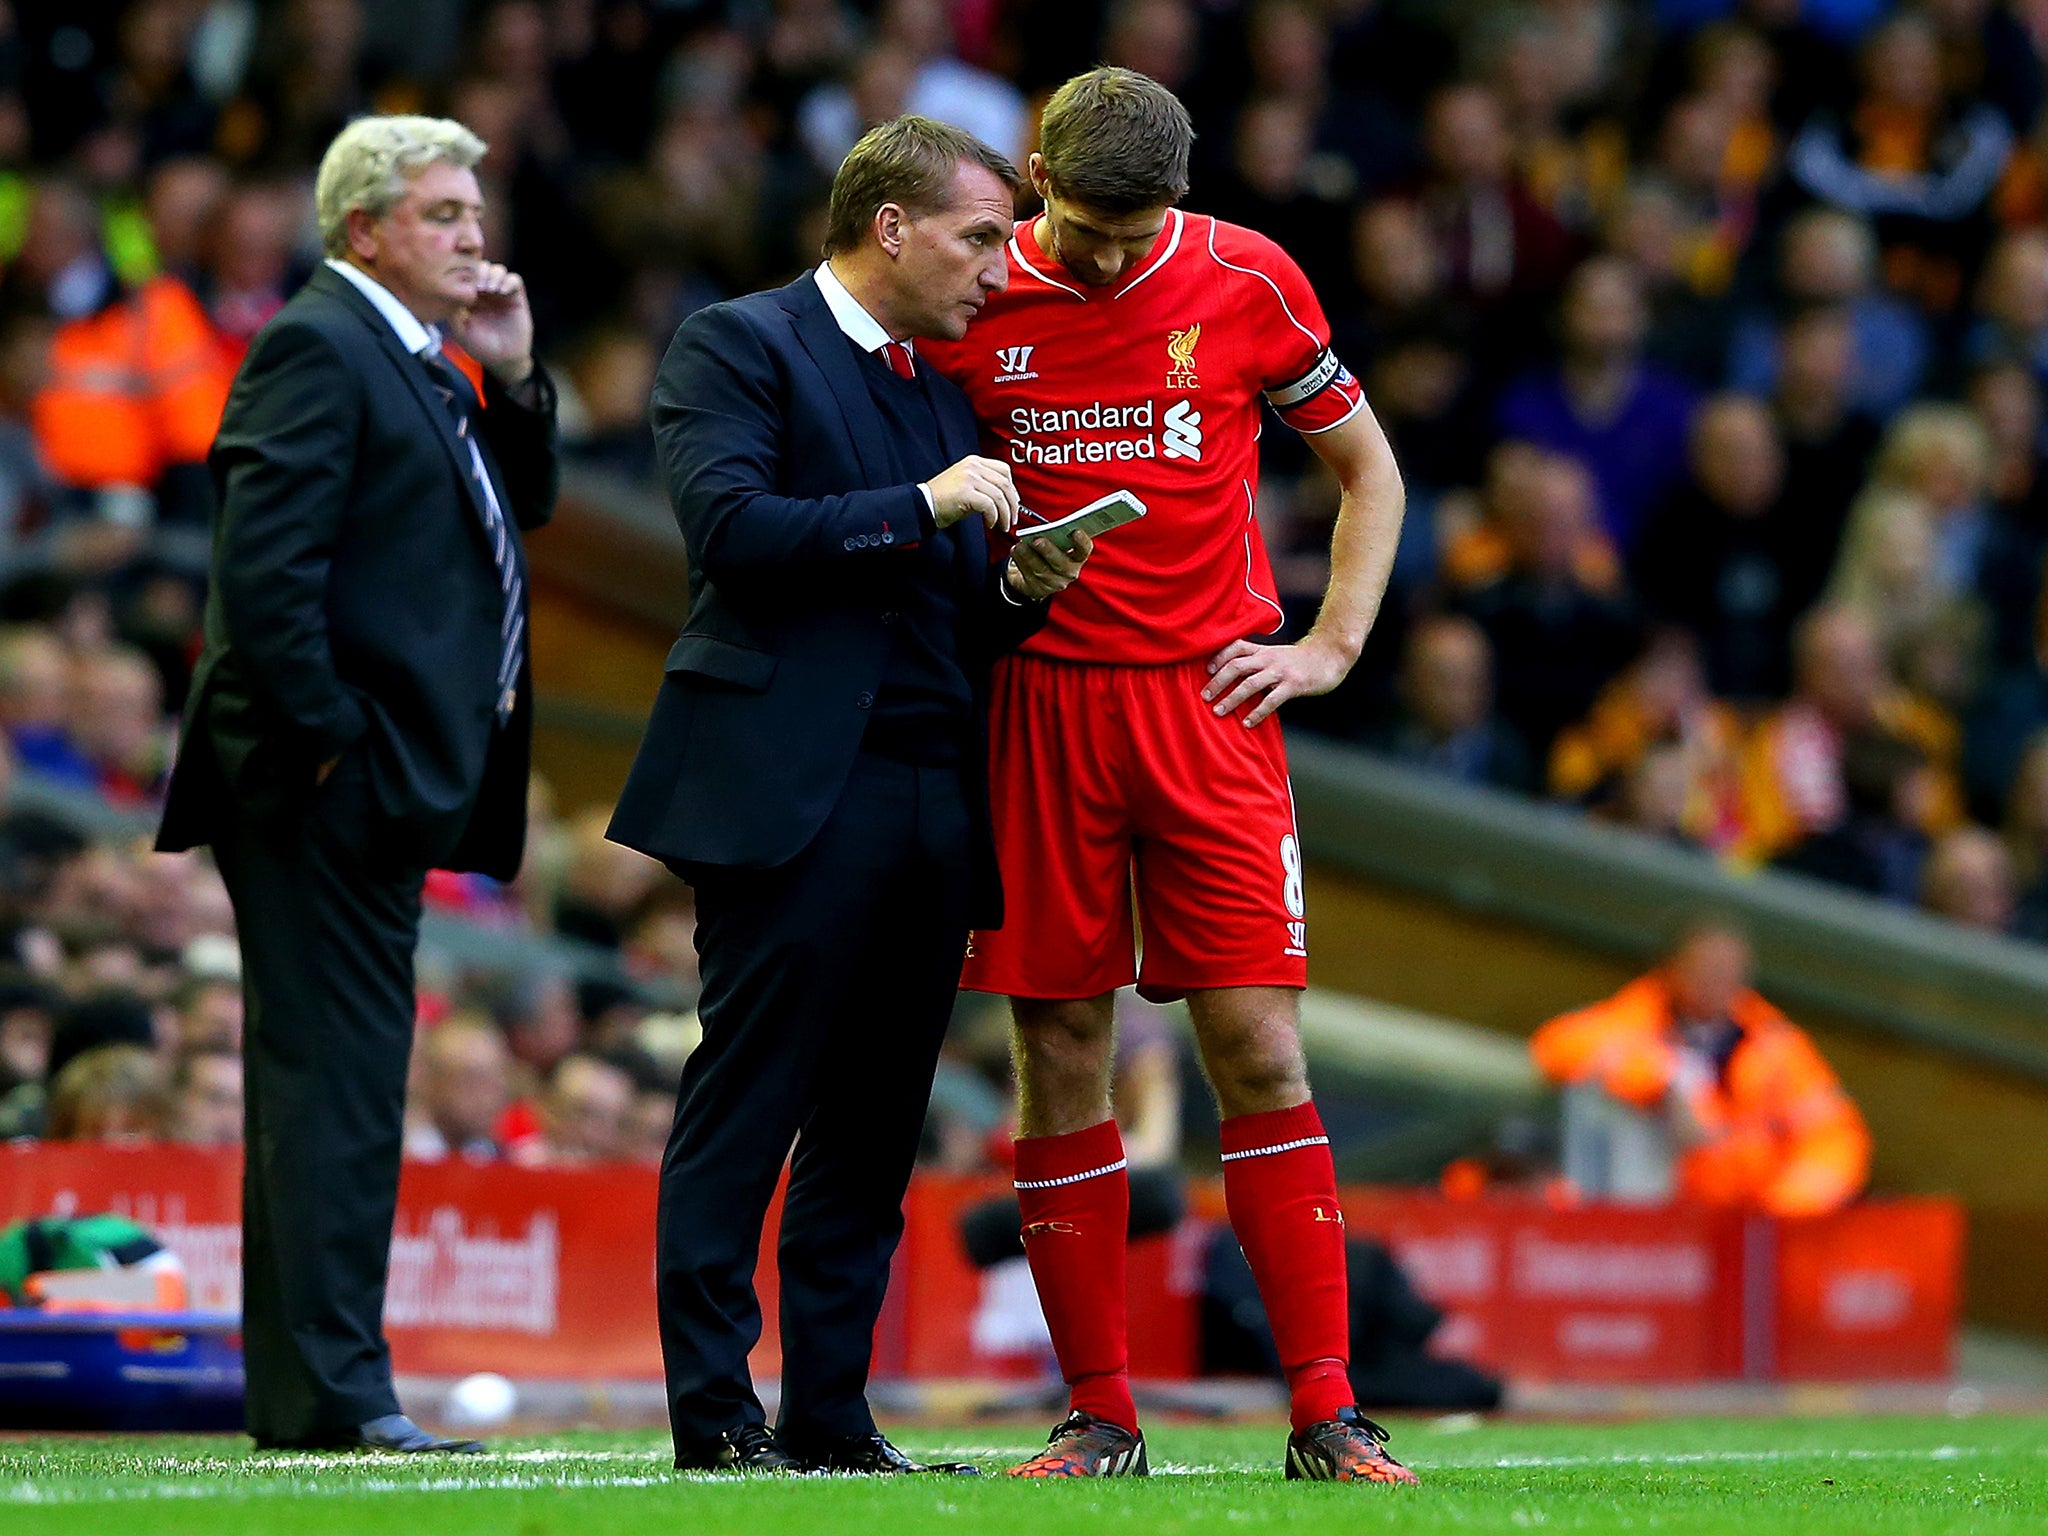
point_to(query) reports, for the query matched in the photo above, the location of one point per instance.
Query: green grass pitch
(1805, 1476)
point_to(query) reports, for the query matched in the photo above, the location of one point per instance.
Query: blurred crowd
(121, 1003)
(1711, 335)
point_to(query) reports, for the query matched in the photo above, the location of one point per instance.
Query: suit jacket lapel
(414, 372)
(833, 353)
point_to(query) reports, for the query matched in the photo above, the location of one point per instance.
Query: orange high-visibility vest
(1779, 1133)
(132, 390)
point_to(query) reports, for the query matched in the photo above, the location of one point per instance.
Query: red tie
(897, 355)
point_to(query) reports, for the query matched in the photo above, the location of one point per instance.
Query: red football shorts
(1110, 783)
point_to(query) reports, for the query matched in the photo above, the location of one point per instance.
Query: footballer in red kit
(1136, 757)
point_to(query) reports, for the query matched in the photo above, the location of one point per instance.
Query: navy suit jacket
(773, 450)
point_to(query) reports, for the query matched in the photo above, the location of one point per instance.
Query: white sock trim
(1285, 1146)
(1074, 1178)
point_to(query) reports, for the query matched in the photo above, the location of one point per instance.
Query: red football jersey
(1152, 386)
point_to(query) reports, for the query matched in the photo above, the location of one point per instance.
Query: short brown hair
(1117, 140)
(909, 161)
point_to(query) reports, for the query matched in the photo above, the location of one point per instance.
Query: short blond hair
(371, 160)
(1920, 431)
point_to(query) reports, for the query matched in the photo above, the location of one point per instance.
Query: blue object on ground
(120, 1370)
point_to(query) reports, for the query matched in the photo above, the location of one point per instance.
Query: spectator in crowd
(134, 395)
(1828, 261)
(1656, 795)
(209, 1013)
(1556, 638)
(112, 1093)
(1890, 792)
(1688, 321)
(1358, 141)
(1919, 160)
(181, 199)
(35, 704)
(1500, 249)
(1696, 166)
(1414, 348)
(464, 1084)
(1792, 766)
(1828, 439)
(1741, 1109)
(249, 265)
(27, 1019)
(117, 725)
(1888, 570)
(2007, 400)
(586, 1115)
(2011, 323)
(603, 885)
(1602, 403)
(1660, 708)
(60, 269)
(1447, 723)
(1722, 556)
(206, 1098)
(1276, 184)
(1969, 880)
(538, 1014)
(914, 39)
(1942, 454)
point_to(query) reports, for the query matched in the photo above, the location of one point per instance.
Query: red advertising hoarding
(550, 1273)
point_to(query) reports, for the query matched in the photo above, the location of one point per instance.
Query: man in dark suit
(815, 767)
(361, 713)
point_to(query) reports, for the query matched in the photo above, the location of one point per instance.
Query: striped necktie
(897, 355)
(455, 394)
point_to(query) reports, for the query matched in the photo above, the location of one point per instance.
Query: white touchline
(246, 1480)
(1695, 1458)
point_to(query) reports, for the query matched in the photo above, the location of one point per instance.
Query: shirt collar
(414, 335)
(861, 328)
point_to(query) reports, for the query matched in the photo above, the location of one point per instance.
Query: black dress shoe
(395, 1432)
(392, 1432)
(871, 1454)
(749, 1448)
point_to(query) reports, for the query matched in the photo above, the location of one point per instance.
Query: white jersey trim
(1172, 245)
(1017, 252)
(1356, 406)
(1251, 518)
(1174, 215)
(1285, 1146)
(1074, 1178)
(1255, 272)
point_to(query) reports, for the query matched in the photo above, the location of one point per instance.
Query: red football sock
(1281, 1188)
(1076, 1198)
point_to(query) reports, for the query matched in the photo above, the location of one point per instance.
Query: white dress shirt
(865, 332)
(420, 339)
(413, 334)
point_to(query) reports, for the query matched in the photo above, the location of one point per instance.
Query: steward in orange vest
(132, 391)
(1759, 1118)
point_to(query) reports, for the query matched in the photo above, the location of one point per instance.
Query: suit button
(865, 701)
(891, 617)
(888, 538)
(849, 543)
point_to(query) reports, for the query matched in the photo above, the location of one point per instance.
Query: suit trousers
(328, 926)
(827, 987)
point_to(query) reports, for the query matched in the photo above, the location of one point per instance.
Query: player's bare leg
(1076, 1200)
(1064, 1050)
(1281, 1189)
